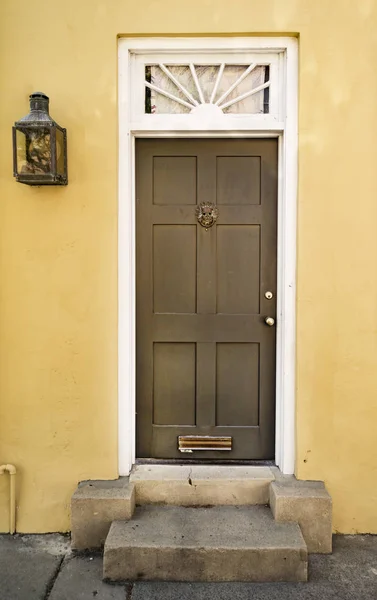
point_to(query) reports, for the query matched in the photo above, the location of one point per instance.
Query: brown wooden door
(205, 356)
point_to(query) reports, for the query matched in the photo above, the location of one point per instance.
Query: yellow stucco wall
(58, 267)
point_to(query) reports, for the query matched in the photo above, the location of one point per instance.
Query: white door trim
(286, 130)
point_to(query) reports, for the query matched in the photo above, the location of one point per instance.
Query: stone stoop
(201, 485)
(221, 543)
(203, 523)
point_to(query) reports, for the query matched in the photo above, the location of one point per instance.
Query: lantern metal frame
(39, 120)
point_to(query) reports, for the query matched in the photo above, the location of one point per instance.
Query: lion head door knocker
(207, 213)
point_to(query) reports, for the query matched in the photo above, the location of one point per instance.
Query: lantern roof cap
(38, 115)
(38, 95)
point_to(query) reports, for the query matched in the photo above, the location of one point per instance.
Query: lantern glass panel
(37, 158)
(59, 152)
(21, 151)
(39, 151)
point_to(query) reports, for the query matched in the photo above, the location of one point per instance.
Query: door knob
(269, 321)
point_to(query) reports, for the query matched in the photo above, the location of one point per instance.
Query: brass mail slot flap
(189, 443)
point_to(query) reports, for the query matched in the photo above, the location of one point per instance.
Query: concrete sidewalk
(43, 568)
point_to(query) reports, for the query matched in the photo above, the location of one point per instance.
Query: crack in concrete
(54, 577)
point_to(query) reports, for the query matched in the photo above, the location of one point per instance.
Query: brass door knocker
(207, 213)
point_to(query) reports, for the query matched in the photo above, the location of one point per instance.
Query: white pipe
(11, 469)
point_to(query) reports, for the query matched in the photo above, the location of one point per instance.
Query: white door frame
(285, 128)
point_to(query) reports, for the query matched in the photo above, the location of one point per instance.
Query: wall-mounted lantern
(39, 146)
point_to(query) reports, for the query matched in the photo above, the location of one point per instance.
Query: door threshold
(204, 461)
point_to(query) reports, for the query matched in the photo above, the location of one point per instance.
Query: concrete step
(201, 485)
(222, 543)
(307, 503)
(94, 506)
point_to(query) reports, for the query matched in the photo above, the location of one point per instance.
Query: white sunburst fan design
(221, 88)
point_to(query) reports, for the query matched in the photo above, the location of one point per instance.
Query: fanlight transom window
(193, 88)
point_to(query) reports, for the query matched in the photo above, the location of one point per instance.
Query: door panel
(172, 173)
(237, 371)
(174, 268)
(174, 375)
(238, 180)
(238, 269)
(205, 357)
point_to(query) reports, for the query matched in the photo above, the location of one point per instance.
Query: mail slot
(193, 443)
